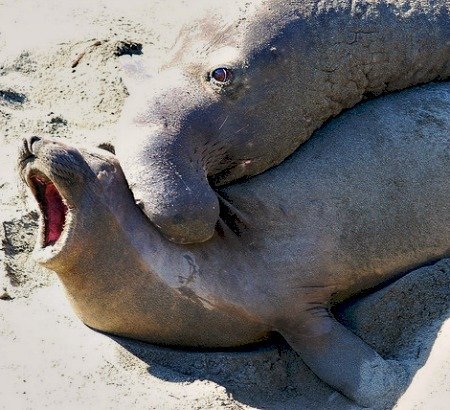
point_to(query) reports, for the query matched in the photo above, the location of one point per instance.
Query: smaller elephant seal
(360, 204)
(237, 95)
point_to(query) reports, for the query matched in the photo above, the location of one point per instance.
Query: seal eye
(221, 75)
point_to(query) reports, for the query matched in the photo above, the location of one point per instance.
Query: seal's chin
(53, 208)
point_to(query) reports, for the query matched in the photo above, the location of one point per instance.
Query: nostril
(33, 140)
(30, 142)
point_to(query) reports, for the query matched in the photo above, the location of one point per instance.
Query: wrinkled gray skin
(294, 67)
(363, 202)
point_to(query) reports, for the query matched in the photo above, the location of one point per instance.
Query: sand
(60, 76)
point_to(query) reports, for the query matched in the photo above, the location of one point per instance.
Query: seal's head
(218, 109)
(73, 189)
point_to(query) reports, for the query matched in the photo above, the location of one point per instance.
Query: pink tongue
(56, 211)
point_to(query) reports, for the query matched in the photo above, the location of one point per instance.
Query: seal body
(235, 96)
(361, 203)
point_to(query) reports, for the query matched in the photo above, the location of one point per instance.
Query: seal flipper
(344, 361)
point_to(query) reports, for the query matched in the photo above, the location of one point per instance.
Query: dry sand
(48, 359)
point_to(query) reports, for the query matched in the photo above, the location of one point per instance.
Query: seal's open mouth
(53, 208)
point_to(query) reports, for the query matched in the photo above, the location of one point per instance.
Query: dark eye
(221, 75)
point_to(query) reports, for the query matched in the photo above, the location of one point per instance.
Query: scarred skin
(293, 65)
(361, 203)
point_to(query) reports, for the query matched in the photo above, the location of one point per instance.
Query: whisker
(224, 121)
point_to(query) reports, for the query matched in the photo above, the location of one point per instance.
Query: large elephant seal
(238, 95)
(360, 204)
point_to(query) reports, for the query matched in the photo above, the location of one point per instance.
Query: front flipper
(344, 361)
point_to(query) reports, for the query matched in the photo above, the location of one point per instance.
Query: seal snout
(28, 150)
(51, 204)
(30, 146)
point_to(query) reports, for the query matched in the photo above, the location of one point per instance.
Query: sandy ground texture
(60, 76)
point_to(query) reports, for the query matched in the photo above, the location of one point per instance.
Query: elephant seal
(360, 204)
(235, 98)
